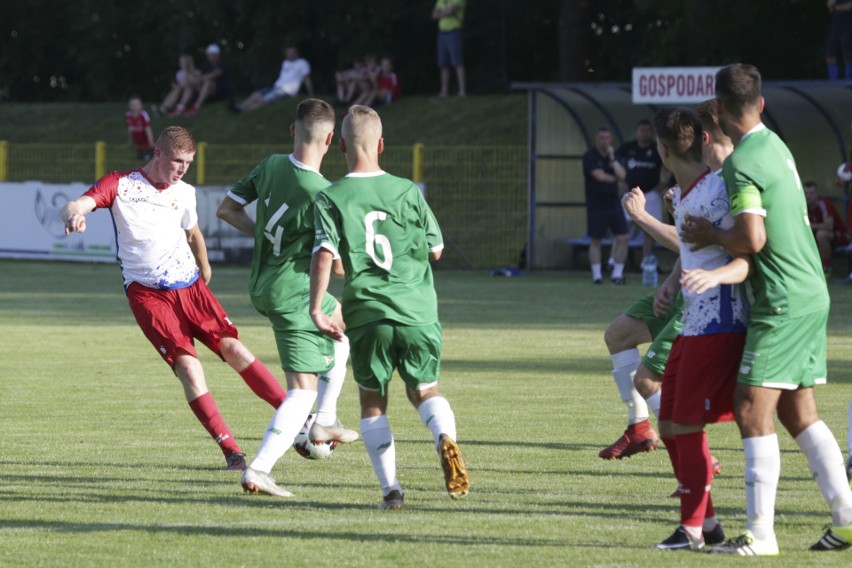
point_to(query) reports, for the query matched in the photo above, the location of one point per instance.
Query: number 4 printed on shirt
(275, 238)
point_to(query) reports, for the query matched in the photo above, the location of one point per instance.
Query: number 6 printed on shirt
(374, 240)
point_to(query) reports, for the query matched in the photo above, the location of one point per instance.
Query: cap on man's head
(213, 48)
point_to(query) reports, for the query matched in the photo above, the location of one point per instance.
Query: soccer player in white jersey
(698, 389)
(164, 263)
(784, 355)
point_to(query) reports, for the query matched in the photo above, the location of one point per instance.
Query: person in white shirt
(164, 263)
(295, 70)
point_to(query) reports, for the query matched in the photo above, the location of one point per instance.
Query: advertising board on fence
(33, 229)
(673, 85)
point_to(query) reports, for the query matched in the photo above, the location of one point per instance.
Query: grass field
(103, 464)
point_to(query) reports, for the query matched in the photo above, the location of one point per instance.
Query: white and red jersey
(150, 222)
(136, 125)
(725, 308)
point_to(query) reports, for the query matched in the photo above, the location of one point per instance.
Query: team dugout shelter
(814, 118)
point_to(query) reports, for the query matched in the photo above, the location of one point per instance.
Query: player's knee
(617, 335)
(419, 396)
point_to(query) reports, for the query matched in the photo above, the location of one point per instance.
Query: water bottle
(649, 271)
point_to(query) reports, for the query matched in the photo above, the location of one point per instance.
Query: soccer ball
(844, 171)
(307, 449)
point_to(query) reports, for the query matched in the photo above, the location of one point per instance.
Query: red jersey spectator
(139, 128)
(826, 223)
(388, 83)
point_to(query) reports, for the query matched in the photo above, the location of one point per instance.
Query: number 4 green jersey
(284, 189)
(761, 177)
(384, 231)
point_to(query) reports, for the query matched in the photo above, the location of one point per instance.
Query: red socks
(263, 383)
(695, 473)
(207, 412)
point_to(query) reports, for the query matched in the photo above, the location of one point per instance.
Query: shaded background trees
(102, 50)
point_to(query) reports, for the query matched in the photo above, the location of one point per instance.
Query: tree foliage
(104, 50)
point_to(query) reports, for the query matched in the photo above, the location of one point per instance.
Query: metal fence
(478, 193)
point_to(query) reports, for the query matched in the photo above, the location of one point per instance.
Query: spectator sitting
(183, 87)
(295, 70)
(213, 83)
(387, 87)
(826, 223)
(347, 81)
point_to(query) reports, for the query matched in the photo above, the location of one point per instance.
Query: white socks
(282, 430)
(653, 402)
(826, 464)
(617, 269)
(376, 433)
(596, 271)
(624, 365)
(330, 384)
(436, 414)
(762, 471)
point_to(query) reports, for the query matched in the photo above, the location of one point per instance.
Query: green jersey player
(784, 355)
(385, 234)
(284, 187)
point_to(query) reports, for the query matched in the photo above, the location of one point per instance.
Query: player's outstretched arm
(234, 214)
(199, 251)
(634, 204)
(73, 214)
(321, 264)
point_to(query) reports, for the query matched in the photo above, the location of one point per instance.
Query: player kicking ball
(284, 187)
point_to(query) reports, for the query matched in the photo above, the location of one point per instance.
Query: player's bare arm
(634, 204)
(697, 281)
(74, 213)
(664, 295)
(199, 251)
(234, 214)
(747, 236)
(337, 268)
(321, 266)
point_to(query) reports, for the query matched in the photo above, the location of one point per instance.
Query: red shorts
(171, 319)
(700, 378)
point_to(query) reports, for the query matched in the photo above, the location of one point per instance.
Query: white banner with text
(673, 85)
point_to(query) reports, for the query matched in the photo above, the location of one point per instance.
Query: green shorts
(301, 346)
(785, 354)
(378, 348)
(664, 330)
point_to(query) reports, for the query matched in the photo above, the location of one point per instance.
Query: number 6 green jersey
(384, 231)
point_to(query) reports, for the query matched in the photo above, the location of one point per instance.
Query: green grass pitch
(103, 463)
